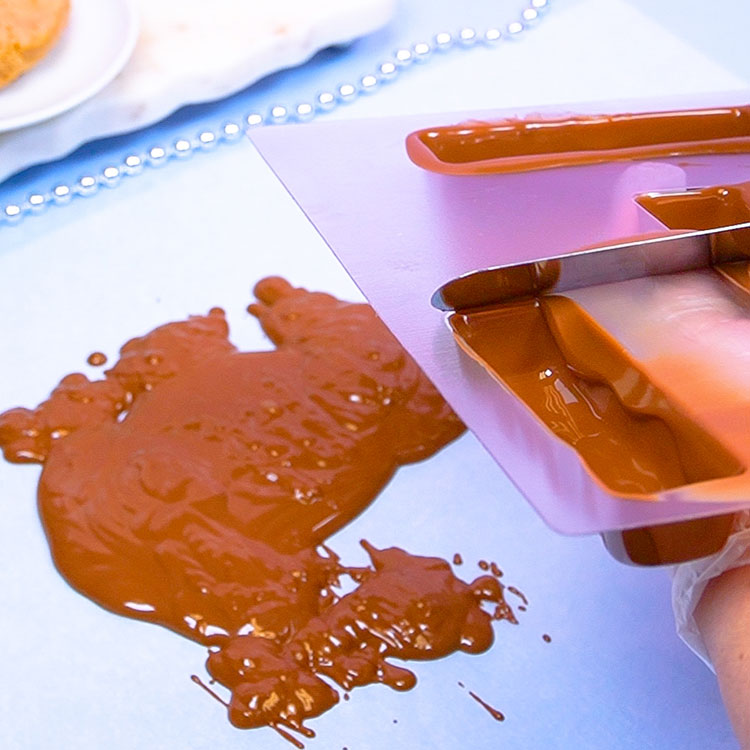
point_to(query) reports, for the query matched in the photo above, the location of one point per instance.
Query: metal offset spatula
(710, 248)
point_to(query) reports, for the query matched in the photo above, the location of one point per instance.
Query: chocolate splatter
(194, 486)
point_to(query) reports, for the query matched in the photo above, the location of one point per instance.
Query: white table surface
(89, 275)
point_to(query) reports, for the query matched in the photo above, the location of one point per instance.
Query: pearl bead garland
(277, 114)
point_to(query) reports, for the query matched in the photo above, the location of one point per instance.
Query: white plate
(187, 51)
(96, 44)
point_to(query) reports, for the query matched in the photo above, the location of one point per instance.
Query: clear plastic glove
(711, 601)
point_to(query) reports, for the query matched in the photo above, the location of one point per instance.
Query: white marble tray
(191, 52)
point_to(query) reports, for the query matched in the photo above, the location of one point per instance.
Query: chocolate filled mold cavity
(587, 390)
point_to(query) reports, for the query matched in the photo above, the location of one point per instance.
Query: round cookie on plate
(28, 29)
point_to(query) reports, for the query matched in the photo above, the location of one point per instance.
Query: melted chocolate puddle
(194, 486)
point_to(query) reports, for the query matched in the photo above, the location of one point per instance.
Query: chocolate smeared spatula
(603, 264)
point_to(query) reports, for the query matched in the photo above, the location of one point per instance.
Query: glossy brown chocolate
(538, 142)
(590, 393)
(517, 592)
(672, 543)
(700, 208)
(493, 712)
(194, 486)
(502, 285)
(97, 359)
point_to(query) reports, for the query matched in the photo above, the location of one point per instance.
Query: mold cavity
(710, 208)
(700, 208)
(670, 543)
(584, 387)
